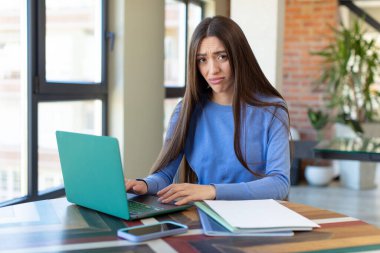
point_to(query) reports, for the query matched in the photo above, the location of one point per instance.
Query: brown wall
(306, 30)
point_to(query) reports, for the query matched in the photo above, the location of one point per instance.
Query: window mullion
(186, 38)
(32, 23)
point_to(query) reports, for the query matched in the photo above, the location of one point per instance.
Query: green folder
(205, 208)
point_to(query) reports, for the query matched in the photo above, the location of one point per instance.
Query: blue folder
(212, 228)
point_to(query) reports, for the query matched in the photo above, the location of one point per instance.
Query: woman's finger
(163, 191)
(184, 200)
(173, 197)
(139, 189)
(128, 184)
(167, 194)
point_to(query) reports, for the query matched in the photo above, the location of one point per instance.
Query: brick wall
(306, 30)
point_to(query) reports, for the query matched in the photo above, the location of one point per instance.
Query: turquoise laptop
(93, 178)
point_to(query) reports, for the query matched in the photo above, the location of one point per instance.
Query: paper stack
(253, 217)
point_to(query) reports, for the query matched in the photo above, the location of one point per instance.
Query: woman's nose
(214, 67)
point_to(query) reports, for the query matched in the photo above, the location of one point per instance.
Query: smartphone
(151, 231)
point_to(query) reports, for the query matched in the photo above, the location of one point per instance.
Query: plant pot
(319, 175)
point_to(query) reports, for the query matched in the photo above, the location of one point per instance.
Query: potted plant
(350, 64)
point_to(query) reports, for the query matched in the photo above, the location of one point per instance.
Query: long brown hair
(249, 80)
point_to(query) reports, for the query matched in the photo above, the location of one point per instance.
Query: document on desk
(212, 228)
(242, 216)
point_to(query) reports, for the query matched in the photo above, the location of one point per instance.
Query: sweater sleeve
(164, 177)
(276, 183)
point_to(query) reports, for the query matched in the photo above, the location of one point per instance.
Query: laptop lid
(92, 172)
(93, 176)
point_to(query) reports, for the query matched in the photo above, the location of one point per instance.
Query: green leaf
(318, 119)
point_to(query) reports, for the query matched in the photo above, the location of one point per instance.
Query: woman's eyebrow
(219, 52)
(214, 53)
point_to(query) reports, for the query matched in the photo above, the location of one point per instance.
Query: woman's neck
(222, 99)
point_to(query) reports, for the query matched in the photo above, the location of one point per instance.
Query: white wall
(262, 23)
(136, 81)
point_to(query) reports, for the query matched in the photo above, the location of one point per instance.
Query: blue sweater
(210, 152)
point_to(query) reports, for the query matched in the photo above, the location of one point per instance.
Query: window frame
(39, 90)
(41, 86)
(176, 92)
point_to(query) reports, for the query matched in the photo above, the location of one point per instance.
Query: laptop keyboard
(137, 207)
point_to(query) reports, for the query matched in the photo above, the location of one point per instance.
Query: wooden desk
(56, 225)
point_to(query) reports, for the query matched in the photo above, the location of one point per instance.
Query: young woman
(231, 129)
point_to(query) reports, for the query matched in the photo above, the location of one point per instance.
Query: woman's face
(214, 65)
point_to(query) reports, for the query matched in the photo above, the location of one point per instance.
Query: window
(4, 180)
(13, 97)
(175, 43)
(52, 77)
(16, 181)
(73, 41)
(181, 18)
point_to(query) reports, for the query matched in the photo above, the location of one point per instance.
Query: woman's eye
(222, 57)
(201, 60)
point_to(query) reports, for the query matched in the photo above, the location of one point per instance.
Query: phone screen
(151, 229)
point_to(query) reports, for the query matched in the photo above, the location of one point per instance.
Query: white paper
(266, 213)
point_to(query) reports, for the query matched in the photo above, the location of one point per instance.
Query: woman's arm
(164, 177)
(155, 182)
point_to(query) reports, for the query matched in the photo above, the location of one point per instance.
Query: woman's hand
(136, 186)
(187, 193)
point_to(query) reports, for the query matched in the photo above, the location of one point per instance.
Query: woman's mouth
(216, 80)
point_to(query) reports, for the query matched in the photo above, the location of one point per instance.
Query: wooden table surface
(58, 226)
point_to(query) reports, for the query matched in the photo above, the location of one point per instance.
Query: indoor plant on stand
(320, 173)
(351, 64)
